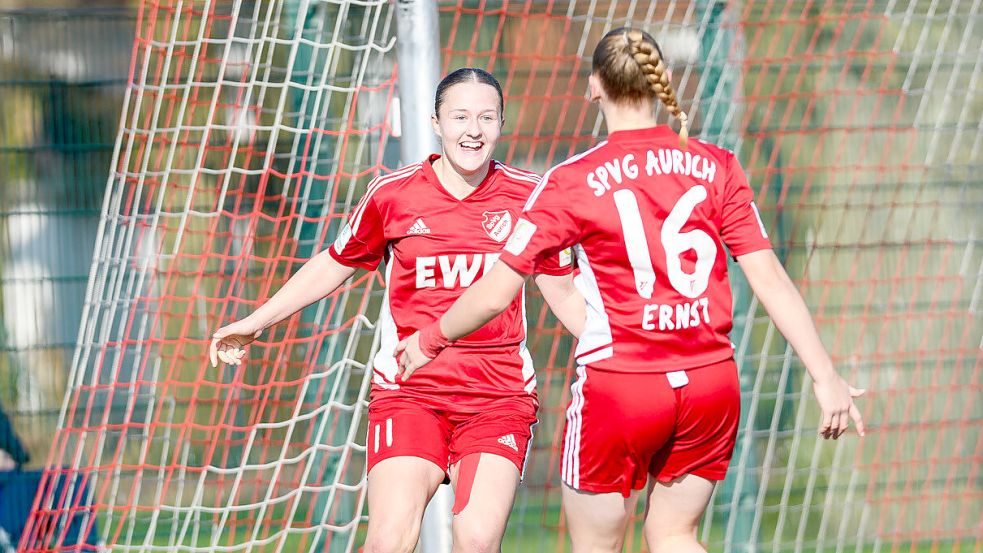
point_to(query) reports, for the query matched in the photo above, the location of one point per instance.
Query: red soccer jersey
(434, 246)
(648, 222)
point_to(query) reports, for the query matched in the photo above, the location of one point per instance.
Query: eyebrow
(466, 110)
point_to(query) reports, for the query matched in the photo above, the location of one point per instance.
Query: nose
(474, 129)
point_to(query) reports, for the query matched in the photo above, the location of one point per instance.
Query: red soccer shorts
(623, 427)
(401, 426)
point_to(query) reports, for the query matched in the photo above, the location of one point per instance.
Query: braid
(653, 67)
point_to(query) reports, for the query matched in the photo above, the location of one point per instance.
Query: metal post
(418, 56)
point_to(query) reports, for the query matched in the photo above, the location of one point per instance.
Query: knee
(604, 533)
(383, 537)
(671, 540)
(477, 538)
(598, 544)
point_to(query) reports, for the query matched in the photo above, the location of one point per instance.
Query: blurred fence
(62, 77)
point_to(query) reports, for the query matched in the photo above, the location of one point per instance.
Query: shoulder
(568, 174)
(713, 151)
(382, 186)
(520, 176)
(578, 164)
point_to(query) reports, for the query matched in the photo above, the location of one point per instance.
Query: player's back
(654, 219)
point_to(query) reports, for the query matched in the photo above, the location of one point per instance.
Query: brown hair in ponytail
(632, 69)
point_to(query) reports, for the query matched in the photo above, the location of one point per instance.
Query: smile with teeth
(472, 145)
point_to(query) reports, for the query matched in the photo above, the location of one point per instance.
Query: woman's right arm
(564, 300)
(317, 278)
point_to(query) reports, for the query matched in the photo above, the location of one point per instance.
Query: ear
(594, 89)
(435, 123)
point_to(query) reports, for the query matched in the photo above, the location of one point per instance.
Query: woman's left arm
(778, 294)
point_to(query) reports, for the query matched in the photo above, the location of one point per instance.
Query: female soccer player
(657, 398)
(438, 225)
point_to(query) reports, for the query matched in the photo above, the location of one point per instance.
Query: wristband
(432, 340)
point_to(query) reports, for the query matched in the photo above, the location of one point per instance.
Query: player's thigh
(399, 489)
(488, 452)
(485, 486)
(597, 521)
(407, 454)
(676, 507)
(402, 485)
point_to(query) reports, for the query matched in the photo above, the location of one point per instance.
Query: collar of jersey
(431, 176)
(648, 133)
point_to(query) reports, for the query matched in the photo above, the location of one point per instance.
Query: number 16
(674, 243)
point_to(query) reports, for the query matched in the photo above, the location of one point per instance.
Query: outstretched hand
(835, 399)
(410, 356)
(229, 342)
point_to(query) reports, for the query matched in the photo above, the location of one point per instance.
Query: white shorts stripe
(571, 446)
(389, 432)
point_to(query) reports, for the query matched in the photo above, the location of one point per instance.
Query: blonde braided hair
(653, 67)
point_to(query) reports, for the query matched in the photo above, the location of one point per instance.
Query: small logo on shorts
(508, 440)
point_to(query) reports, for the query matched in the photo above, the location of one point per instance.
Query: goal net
(250, 128)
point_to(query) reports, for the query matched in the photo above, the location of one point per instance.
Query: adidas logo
(508, 440)
(418, 227)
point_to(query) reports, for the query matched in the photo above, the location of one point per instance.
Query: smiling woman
(437, 225)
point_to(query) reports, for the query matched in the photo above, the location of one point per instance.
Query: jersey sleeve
(362, 241)
(558, 264)
(546, 230)
(741, 228)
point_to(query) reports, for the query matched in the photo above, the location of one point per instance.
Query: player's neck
(627, 117)
(458, 185)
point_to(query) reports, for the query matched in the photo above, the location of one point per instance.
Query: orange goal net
(250, 128)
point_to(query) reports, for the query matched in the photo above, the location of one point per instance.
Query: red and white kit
(434, 246)
(648, 221)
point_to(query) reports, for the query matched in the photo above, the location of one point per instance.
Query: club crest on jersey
(498, 224)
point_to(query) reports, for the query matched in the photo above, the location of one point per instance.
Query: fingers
(827, 424)
(407, 372)
(213, 355)
(857, 419)
(401, 347)
(223, 355)
(406, 365)
(854, 412)
(213, 352)
(833, 424)
(228, 354)
(402, 359)
(839, 423)
(834, 428)
(842, 423)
